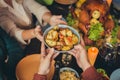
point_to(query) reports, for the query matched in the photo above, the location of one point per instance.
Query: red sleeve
(39, 77)
(92, 74)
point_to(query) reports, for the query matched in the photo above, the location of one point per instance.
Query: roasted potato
(65, 48)
(68, 32)
(63, 32)
(94, 21)
(68, 40)
(52, 34)
(51, 43)
(74, 39)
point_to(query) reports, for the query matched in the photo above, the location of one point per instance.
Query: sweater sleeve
(37, 9)
(10, 27)
(92, 74)
(39, 77)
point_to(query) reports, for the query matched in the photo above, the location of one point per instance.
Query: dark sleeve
(92, 74)
(39, 77)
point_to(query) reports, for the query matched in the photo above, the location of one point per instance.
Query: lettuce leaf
(95, 31)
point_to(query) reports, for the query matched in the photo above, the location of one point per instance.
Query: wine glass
(109, 52)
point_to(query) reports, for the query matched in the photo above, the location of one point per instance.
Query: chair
(29, 65)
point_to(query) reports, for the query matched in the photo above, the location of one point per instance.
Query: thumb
(72, 53)
(59, 17)
(42, 48)
(37, 28)
(82, 41)
(55, 55)
(50, 53)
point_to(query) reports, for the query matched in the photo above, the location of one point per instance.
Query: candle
(109, 2)
(92, 54)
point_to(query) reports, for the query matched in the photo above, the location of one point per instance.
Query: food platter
(87, 18)
(61, 37)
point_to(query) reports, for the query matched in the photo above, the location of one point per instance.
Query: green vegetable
(102, 71)
(95, 31)
(70, 20)
(45, 2)
(114, 33)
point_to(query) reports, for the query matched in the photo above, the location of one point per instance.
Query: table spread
(108, 66)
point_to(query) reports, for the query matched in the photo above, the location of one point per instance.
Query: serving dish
(67, 73)
(61, 37)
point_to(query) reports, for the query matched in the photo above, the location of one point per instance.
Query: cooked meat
(87, 40)
(99, 5)
(84, 17)
(109, 24)
(83, 28)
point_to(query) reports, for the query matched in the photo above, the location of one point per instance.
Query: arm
(46, 59)
(10, 27)
(42, 13)
(89, 72)
(37, 9)
(21, 35)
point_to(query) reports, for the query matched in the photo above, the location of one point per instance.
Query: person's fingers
(41, 57)
(38, 33)
(40, 37)
(79, 47)
(59, 20)
(38, 28)
(72, 52)
(42, 49)
(55, 55)
(82, 41)
(59, 17)
(47, 51)
(50, 53)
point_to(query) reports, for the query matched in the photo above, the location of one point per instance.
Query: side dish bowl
(61, 37)
(67, 73)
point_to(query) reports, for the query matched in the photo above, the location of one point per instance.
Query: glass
(115, 9)
(109, 52)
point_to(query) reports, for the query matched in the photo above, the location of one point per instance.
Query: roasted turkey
(85, 17)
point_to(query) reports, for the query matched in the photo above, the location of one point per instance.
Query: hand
(80, 54)
(38, 33)
(46, 59)
(55, 20)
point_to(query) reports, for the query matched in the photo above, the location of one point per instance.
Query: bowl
(67, 73)
(115, 75)
(56, 42)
